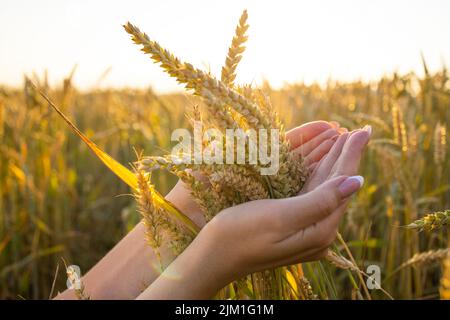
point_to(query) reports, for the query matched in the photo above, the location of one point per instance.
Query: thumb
(306, 209)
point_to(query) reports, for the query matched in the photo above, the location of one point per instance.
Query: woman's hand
(343, 158)
(268, 233)
(123, 272)
(312, 141)
(255, 236)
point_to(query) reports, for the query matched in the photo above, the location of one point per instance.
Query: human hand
(311, 140)
(343, 158)
(268, 233)
(280, 232)
(255, 236)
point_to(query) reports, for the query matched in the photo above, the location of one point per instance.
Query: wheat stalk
(399, 127)
(440, 144)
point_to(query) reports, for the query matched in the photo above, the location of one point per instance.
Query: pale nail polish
(350, 185)
(368, 128)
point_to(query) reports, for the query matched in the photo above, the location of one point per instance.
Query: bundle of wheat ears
(227, 106)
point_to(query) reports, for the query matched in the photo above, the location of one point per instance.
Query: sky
(289, 41)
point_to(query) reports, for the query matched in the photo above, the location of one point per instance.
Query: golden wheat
(432, 221)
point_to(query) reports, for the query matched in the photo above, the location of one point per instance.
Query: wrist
(217, 261)
(205, 264)
(181, 198)
(198, 273)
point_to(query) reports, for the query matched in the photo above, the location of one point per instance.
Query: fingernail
(368, 128)
(350, 185)
(335, 124)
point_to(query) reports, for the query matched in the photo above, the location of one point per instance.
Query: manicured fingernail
(350, 185)
(368, 128)
(335, 124)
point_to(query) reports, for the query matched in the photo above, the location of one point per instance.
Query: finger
(312, 166)
(306, 148)
(319, 152)
(317, 237)
(333, 220)
(305, 256)
(309, 243)
(305, 210)
(335, 124)
(302, 134)
(349, 159)
(323, 170)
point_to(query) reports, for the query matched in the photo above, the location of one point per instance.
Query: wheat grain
(247, 186)
(306, 289)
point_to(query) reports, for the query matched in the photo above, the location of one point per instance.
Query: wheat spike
(150, 214)
(215, 92)
(249, 187)
(210, 201)
(235, 51)
(291, 174)
(157, 220)
(340, 261)
(432, 221)
(426, 257)
(306, 289)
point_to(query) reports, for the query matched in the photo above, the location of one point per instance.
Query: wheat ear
(427, 257)
(215, 92)
(210, 201)
(235, 51)
(158, 222)
(306, 289)
(432, 221)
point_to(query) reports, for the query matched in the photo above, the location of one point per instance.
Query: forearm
(132, 264)
(125, 271)
(197, 273)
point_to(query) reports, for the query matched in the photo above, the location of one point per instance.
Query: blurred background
(345, 40)
(357, 62)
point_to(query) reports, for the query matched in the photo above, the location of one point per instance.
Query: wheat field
(58, 201)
